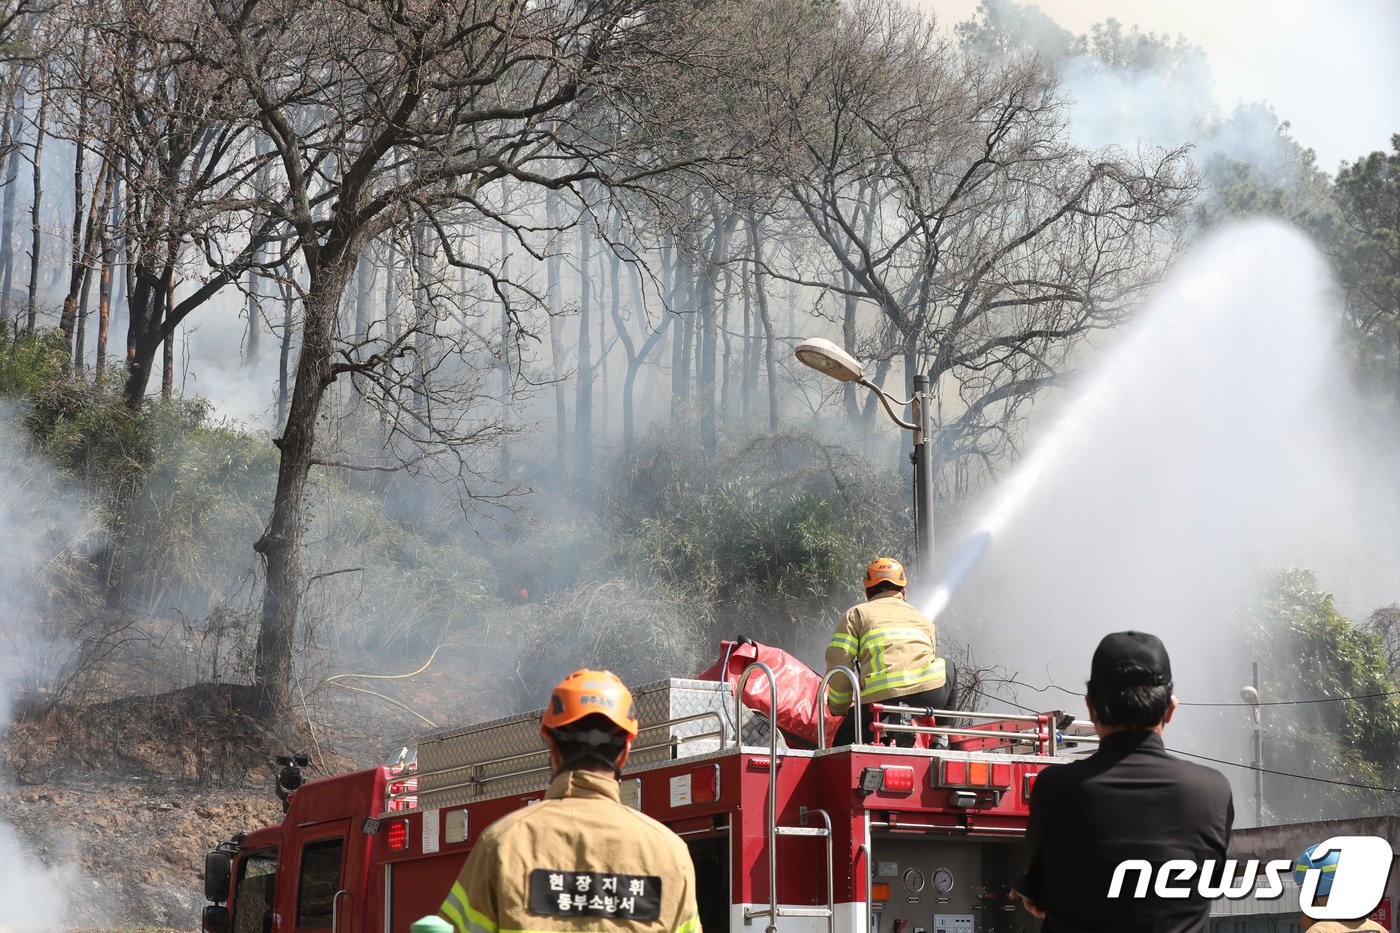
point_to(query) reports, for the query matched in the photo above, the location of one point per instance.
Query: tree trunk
(36, 230)
(729, 381)
(252, 348)
(848, 339)
(14, 114)
(167, 373)
(423, 274)
(104, 297)
(81, 271)
(748, 377)
(95, 251)
(253, 308)
(120, 278)
(391, 297)
(583, 387)
(505, 353)
(709, 321)
(604, 298)
(554, 308)
(364, 288)
(142, 332)
(684, 337)
(285, 361)
(761, 298)
(636, 359)
(281, 543)
(148, 313)
(872, 402)
(70, 303)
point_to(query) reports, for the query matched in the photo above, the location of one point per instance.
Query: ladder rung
(751, 912)
(801, 830)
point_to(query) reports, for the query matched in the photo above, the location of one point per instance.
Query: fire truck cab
(867, 838)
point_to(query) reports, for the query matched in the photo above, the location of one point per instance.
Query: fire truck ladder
(773, 911)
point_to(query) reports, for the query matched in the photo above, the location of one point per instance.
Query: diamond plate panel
(678, 719)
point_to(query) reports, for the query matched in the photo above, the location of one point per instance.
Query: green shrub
(1313, 652)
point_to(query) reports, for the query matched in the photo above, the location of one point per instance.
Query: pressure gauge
(943, 881)
(913, 881)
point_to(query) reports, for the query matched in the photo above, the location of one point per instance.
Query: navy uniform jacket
(1129, 800)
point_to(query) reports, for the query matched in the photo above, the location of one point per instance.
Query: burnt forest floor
(121, 800)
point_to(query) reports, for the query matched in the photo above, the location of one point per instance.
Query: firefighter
(897, 650)
(1327, 864)
(580, 858)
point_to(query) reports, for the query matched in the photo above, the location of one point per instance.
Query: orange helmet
(587, 693)
(884, 569)
(590, 693)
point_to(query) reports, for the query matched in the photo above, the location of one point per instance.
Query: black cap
(1130, 659)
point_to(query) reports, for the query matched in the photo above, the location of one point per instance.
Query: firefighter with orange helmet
(896, 648)
(579, 859)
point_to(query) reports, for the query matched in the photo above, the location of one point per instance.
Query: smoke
(1219, 439)
(43, 525)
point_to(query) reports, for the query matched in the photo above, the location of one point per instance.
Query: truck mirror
(215, 919)
(217, 868)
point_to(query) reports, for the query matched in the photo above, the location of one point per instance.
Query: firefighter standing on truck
(897, 648)
(579, 858)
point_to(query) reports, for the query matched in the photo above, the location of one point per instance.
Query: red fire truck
(868, 838)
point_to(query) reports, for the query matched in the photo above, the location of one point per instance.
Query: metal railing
(477, 779)
(823, 689)
(772, 813)
(1045, 736)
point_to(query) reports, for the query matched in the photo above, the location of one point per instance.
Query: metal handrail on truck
(1044, 737)
(772, 814)
(476, 779)
(822, 689)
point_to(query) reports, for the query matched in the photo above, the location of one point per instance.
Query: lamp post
(1250, 694)
(830, 360)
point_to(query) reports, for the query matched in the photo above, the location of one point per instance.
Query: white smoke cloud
(1219, 438)
(42, 523)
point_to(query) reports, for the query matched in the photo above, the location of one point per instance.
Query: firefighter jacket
(897, 648)
(577, 860)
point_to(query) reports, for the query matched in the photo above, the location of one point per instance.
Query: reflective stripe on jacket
(571, 845)
(897, 648)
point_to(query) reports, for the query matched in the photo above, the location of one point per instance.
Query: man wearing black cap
(1130, 800)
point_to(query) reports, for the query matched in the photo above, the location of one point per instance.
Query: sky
(1330, 69)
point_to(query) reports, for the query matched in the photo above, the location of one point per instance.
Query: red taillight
(704, 785)
(897, 779)
(976, 774)
(398, 835)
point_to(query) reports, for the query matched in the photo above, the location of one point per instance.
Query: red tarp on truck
(798, 716)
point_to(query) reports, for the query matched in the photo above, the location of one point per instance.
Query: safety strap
(600, 746)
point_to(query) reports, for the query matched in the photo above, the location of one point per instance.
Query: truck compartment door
(322, 899)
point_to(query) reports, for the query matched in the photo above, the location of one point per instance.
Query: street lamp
(1250, 694)
(830, 360)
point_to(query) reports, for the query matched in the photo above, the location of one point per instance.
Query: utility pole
(1250, 695)
(922, 458)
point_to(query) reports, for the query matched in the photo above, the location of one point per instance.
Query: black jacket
(1130, 800)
